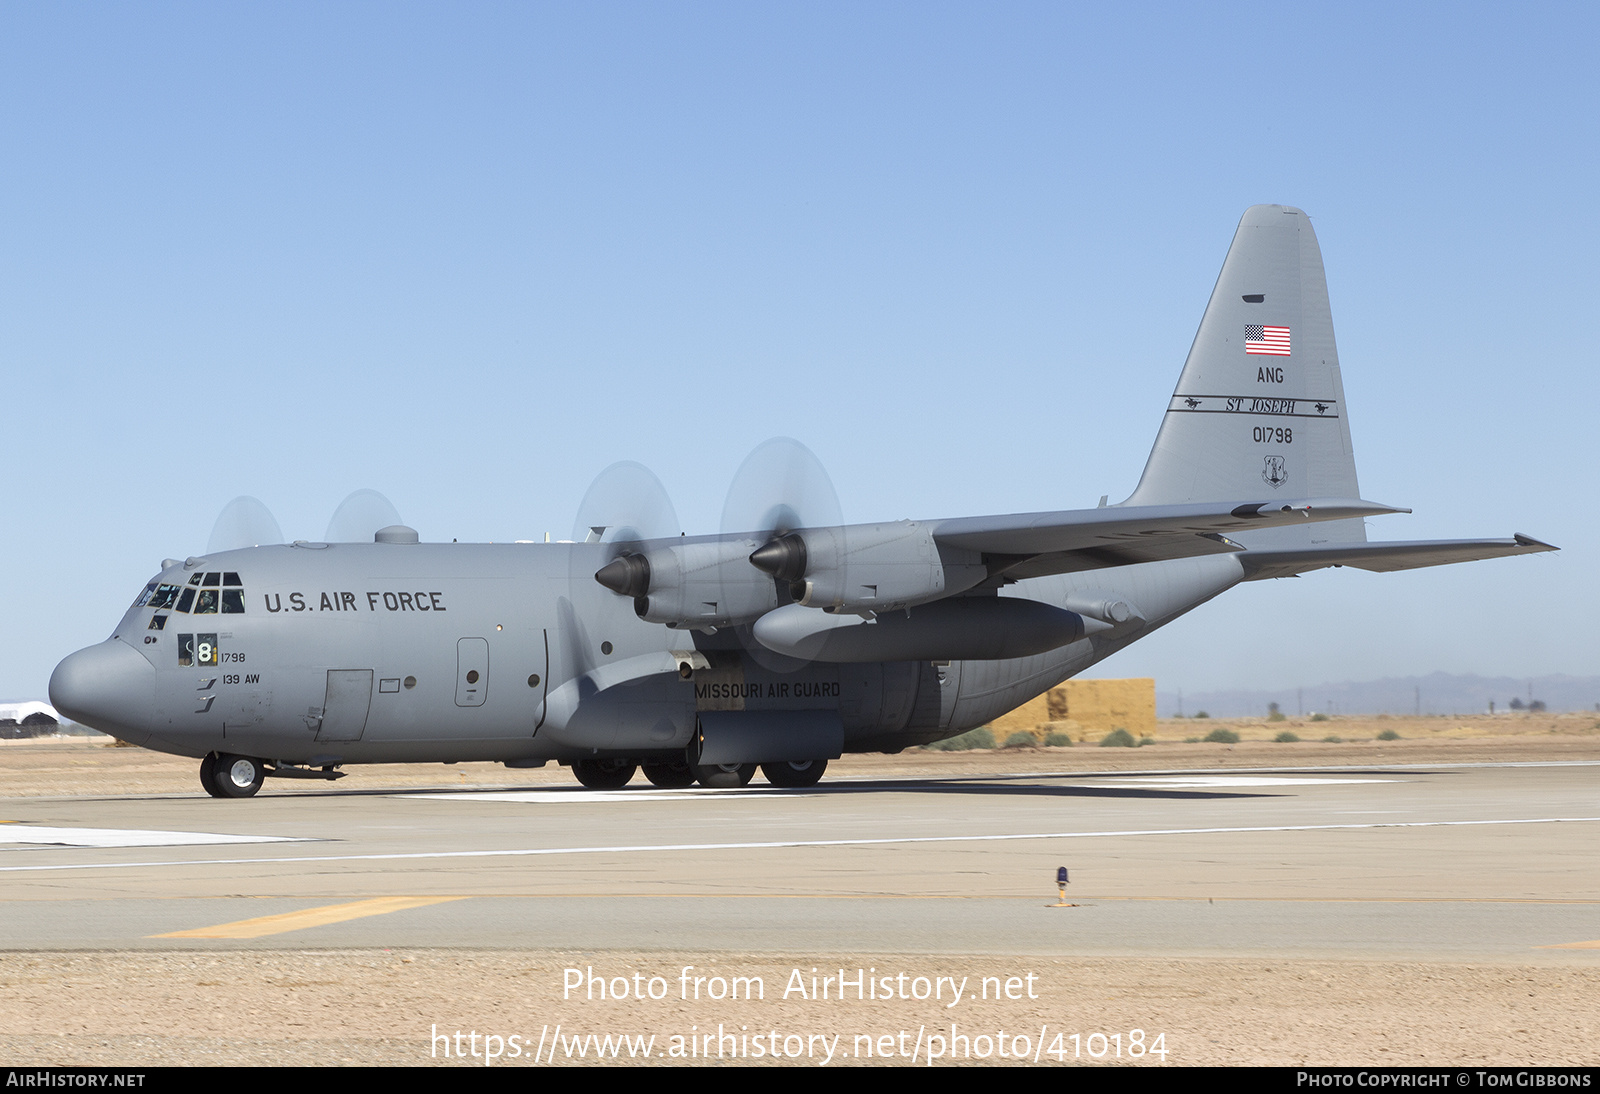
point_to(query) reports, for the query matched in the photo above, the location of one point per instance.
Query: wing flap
(1126, 554)
(1385, 557)
(1123, 528)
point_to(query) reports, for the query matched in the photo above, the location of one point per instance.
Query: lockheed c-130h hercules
(784, 641)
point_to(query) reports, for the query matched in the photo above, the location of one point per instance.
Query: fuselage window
(206, 602)
(186, 600)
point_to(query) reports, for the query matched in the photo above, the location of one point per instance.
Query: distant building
(19, 712)
(1085, 710)
(29, 718)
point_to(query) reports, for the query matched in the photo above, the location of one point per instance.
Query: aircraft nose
(108, 687)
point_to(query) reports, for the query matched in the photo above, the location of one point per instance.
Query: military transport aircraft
(783, 641)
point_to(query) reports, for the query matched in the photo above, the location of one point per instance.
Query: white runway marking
(655, 848)
(122, 837)
(1212, 782)
(754, 793)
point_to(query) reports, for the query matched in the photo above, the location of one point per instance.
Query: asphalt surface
(1441, 862)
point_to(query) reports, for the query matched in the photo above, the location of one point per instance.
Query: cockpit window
(158, 622)
(206, 594)
(144, 597)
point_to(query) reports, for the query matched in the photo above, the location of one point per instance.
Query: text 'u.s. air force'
(341, 601)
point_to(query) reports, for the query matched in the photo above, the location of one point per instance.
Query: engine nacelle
(869, 567)
(692, 584)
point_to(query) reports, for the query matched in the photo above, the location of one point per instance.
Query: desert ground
(304, 998)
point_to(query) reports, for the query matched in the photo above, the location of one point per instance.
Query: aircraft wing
(1036, 544)
(1385, 557)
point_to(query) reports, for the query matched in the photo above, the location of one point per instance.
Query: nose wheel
(228, 776)
(208, 775)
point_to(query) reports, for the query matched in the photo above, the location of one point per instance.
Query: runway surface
(1438, 862)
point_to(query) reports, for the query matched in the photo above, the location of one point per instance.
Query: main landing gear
(792, 775)
(605, 774)
(673, 775)
(676, 774)
(724, 776)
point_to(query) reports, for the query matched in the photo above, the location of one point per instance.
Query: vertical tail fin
(1259, 410)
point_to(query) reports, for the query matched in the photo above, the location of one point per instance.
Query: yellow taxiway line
(311, 917)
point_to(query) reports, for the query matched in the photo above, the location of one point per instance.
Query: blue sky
(468, 255)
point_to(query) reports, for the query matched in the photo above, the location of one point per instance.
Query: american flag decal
(1272, 341)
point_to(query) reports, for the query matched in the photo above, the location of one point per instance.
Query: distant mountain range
(1436, 693)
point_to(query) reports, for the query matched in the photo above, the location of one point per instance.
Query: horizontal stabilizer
(1385, 557)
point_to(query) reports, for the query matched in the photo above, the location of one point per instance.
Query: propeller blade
(780, 486)
(243, 522)
(359, 517)
(625, 502)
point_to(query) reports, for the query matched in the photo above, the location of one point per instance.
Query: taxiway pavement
(1438, 862)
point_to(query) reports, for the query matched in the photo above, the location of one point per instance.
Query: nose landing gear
(228, 776)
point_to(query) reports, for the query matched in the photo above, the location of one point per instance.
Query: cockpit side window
(206, 594)
(144, 597)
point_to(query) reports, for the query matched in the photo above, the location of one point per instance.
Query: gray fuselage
(372, 653)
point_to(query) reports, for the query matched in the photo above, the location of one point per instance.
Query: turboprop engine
(868, 567)
(694, 583)
(728, 580)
